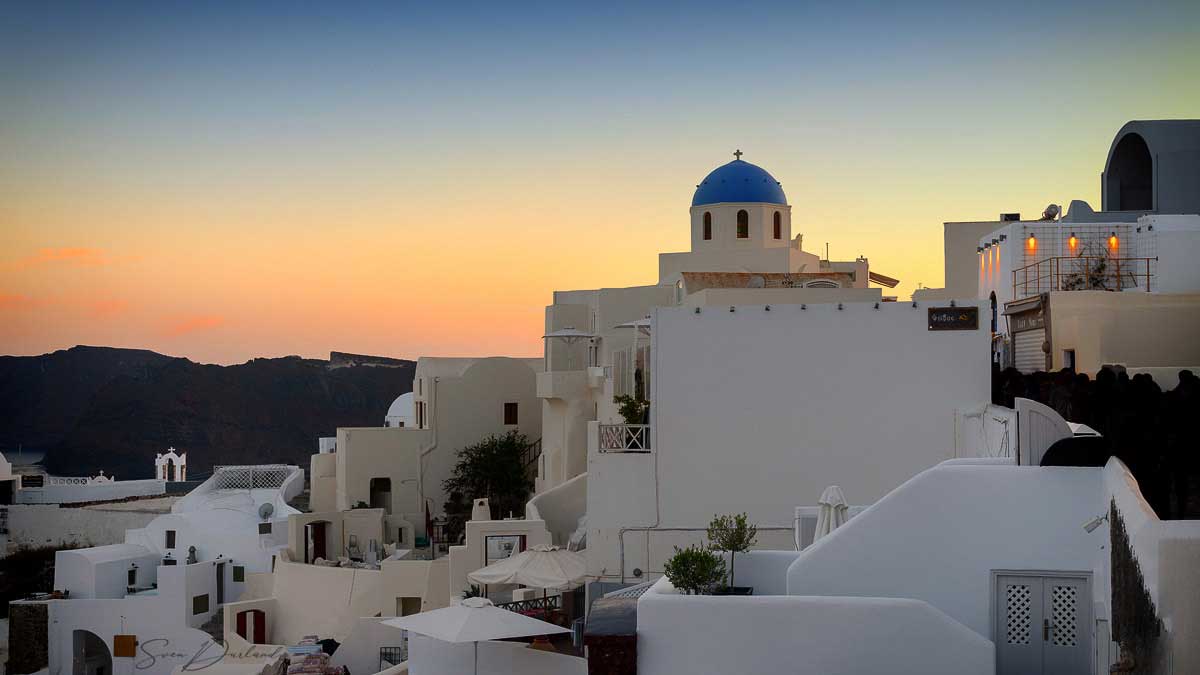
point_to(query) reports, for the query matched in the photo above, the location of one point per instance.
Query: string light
(1112, 240)
(1032, 243)
(1073, 242)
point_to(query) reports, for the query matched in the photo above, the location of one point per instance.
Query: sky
(225, 181)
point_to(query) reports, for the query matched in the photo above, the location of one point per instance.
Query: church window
(510, 413)
(707, 225)
(170, 543)
(743, 225)
(778, 226)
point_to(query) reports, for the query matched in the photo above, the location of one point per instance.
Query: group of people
(1147, 428)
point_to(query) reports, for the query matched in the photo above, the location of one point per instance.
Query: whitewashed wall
(50, 525)
(939, 536)
(688, 635)
(91, 492)
(758, 411)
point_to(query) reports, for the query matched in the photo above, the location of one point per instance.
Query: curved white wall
(938, 537)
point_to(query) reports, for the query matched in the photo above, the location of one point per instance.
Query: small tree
(694, 570)
(492, 468)
(734, 534)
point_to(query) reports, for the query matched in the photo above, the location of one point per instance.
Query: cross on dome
(737, 154)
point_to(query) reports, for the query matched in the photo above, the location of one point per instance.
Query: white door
(1042, 625)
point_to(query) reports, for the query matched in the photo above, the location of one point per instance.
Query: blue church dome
(739, 181)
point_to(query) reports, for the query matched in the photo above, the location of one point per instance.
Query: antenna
(826, 251)
(265, 510)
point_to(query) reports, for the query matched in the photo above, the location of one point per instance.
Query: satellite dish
(757, 281)
(1051, 212)
(266, 510)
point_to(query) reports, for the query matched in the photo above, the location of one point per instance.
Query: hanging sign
(953, 318)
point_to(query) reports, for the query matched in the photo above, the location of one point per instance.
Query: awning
(882, 280)
(569, 333)
(1022, 306)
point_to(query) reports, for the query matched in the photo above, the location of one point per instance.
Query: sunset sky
(221, 181)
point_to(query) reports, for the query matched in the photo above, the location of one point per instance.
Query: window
(200, 604)
(170, 539)
(778, 226)
(264, 528)
(510, 413)
(743, 225)
(132, 576)
(707, 226)
(1069, 359)
(420, 414)
(239, 574)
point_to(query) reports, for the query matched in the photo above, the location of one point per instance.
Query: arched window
(707, 225)
(992, 298)
(778, 226)
(743, 225)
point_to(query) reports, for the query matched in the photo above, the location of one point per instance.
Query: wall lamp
(1091, 525)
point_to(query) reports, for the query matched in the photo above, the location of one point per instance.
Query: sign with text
(953, 318)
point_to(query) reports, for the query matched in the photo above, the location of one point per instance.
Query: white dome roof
(402, 406)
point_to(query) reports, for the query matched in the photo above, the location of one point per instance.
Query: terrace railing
(624, 438)
(1082, 273)
(393, 656)
(533, 606)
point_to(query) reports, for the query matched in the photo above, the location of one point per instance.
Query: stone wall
(27, 637)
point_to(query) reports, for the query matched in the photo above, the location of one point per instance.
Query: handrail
(1081, 273)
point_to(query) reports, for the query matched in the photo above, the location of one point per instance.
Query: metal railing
(393, 656)
(624, 438)
(529, 456)
(1082, 273)
(550, 602)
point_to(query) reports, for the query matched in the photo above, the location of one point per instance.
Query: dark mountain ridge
(93, 408)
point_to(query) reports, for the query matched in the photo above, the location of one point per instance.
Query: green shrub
(695, 570)
(632, 409)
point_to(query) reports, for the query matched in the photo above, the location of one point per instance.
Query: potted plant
(733, 534)
(633, 409)
(695, 570)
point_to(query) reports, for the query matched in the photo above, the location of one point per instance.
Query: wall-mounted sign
(953, 318)
(32, 481)
(1031, 320)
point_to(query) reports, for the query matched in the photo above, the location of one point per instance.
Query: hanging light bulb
(1112, 240)
(1073, 241)
(1031, 243)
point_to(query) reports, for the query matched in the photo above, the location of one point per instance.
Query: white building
(1076, 290)
(145, 605)
(974, 566)
(456, 402)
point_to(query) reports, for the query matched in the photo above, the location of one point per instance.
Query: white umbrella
(540, 567)
(474, 620)
(834, 511)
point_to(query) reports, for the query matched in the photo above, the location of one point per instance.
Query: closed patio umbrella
(546, 567)
(834, 511)
(475, 620)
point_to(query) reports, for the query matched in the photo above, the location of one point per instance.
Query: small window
(132, 576)
(1069, 359)
(264, 528)
(170, 539)
(743, 225)
(200, 604)
(778, 226)
(510, 413)
(239, 574)
(707, 225)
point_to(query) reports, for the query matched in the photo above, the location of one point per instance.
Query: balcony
(1083, 273)
(624, 438)
(564, 384)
